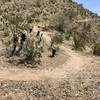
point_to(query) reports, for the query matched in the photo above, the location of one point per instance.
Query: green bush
(21, 23)
(32, 51)
(57, 22)
(79, 41)
(96, 50)
(29, 49)
(68, 35)
(57, 39)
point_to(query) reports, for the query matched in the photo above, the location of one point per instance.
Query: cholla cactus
(33, 49)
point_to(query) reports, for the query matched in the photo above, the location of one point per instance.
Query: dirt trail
(70, 67)
(88, 19)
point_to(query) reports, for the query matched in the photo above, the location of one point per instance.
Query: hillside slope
(72, 74)
(60, 15)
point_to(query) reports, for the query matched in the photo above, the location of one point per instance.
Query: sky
(92, 5)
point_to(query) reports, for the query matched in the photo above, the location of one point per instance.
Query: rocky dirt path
(72, 66)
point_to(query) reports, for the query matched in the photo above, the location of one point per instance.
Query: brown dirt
(72, 65)
(74, 77)
(69, 66)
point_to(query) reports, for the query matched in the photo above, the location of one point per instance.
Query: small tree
(79, 41)
(32, 52)
(57, 39)
(68, 34)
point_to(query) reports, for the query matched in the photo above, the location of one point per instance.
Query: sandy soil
(76, 77)
(71, 65)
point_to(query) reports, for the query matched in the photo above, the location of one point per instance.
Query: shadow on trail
(18, 61)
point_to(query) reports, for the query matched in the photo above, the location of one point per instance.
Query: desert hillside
(49, 50)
